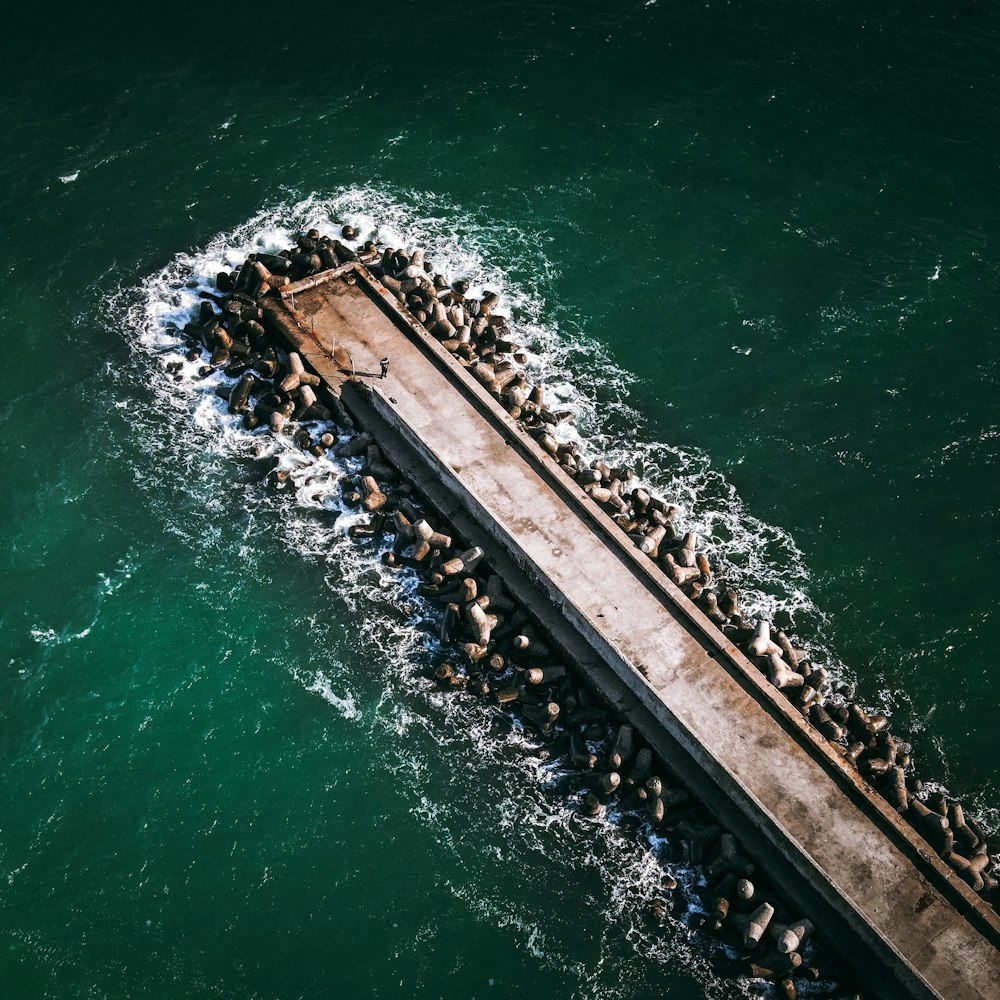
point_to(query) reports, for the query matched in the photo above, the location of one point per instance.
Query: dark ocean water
(754, 247)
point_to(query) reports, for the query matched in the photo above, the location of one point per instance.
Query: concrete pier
(906, 922)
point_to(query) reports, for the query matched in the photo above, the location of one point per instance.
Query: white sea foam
(108, 584)
(69, 178)
(321, 684)
(111, 583)
(50, 637)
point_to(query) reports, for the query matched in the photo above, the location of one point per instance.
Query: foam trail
(108, 585)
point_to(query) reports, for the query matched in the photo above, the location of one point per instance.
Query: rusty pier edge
(898, 914)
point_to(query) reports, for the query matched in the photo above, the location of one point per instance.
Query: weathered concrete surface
(910, 927)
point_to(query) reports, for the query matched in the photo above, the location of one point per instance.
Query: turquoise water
(753, 246)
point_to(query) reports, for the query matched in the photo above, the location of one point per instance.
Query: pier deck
(909, 926)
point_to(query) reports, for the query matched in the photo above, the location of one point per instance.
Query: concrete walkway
(881, 894)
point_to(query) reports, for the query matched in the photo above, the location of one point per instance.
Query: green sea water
(752, 245)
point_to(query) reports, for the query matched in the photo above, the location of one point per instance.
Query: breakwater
(286, 391)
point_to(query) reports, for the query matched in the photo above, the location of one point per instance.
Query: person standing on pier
(385, 367)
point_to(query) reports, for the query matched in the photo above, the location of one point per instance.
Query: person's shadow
(345, 364)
